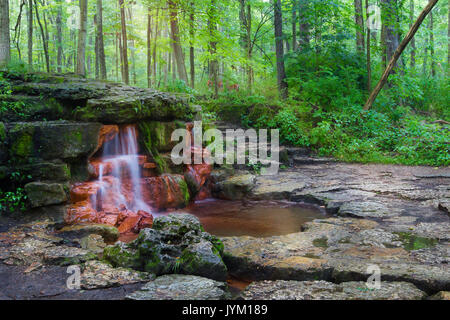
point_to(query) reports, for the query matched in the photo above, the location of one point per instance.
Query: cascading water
(124, 189)
(121, 154)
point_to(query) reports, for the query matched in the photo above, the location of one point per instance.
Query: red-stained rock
(110, 219)
(130, 224)
(81, 212)
(145, 223)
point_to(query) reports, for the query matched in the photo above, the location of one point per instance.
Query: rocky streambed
(393, 217)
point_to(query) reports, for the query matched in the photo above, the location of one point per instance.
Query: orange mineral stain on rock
(124, 190)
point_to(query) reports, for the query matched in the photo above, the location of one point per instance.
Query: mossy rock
(413, 242)
(44, 194)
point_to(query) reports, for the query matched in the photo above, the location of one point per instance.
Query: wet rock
(97, 275)
(236, 187)
(78, 231)
(157, 134)
(278, 188)
(444, 205)
(442, 295)
(93, 243)
(52, 140)
(176, 244)
(181, 287)
(166, 191)
(44, 194)
(322, 290)
(368, 209)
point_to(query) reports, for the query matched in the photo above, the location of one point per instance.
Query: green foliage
(12, 201)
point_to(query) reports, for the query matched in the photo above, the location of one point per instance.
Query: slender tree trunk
(359, 26)
(157, 33)
(100, 42)
(413, 41)
(44, 39)
(176, 42)
(124, 46)
(214, 65)
(398, 53)
(97, 69)
(82, 35)
(278, 26)
(303, 24)
(294, 25)
(191, 44)
(369, 67)
(5, 53)
(59, 37)
(433, 64)
(149, 48)
(30, 34)
(383, 44)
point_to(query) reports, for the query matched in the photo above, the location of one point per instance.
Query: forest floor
(395, 217)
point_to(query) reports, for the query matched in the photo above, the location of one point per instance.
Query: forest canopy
(305, 67)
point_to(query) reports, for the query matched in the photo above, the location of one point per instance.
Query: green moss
(321, 242)
(185, 190)
(2, 132)
(414, 242)
(23, 146)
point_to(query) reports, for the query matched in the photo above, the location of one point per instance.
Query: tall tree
(294, 25)
(44, 37)
(59, 37)
(359, 26)
(176, 41)
(303, 23)
(390, 15)
(433, 63)
(30, 34)
(245, 17)
(413, 40)
(412, 31)
(191, 44)
(279, 50)
(123, 44)
(213, 63)
(5, 54)
(100, 52)
(82, 37)
(369, 67)
(149, 47)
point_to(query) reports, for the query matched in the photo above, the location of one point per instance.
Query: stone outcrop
(177, 243)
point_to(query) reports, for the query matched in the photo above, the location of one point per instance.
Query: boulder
(181, 287)
(156, 135)
(235, 187)
(44, 194)
(323, 290)
(176, 244)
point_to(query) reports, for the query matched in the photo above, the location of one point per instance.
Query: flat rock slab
(322, 290)
(181, 287)
(97, 275)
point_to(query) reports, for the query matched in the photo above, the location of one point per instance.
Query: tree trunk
(294, 25)
(191, 45)
(359, 26)
(157, 33)
(369, 67)
(59, 37)
(433, 64)
(303, 24)
(82, 35)
(278, 26)
(44, 39)
(213, 63)
(100, 42)
(413, 40)
(5, 53)
(390, 13)
(133, 47)
(149, 48)
(124, 47)
(176, 42)
(398, 52)
(30, 34)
